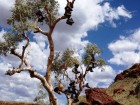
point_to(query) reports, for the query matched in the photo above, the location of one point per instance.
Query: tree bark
(69, 101)
(50, 58)
(52, 97)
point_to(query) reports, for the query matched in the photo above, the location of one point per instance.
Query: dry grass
(16, 103)
(81, 99)
(128, 85)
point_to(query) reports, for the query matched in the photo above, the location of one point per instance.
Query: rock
(132, 92)
(126, 86)
(83, 103)
(98, 96)
(132, 72)
(118, 91)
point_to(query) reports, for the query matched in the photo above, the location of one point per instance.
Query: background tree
(26, 15)
(41, 97)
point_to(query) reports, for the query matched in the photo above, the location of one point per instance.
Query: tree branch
(13, 51)
(18, 70)
(32, 72)
(50, 58)
(19, 56)
(23, 51)
(38, 29)
(41, 31)
(49, 14)
(57, 20)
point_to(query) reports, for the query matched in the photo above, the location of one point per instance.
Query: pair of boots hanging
(68, 11)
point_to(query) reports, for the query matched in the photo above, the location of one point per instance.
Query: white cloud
(1, 36)
(5, 6)
(37, 57)
(126, 50)
(41, 41)
(85, 20)
(122, 45)
(19, 87)
(97, 77)
(35, 54)
(121, 10)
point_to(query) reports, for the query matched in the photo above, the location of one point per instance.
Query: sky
(111, 24)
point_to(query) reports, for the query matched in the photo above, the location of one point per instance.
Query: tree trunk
(69, 101)
(52, 97)
(50, 58)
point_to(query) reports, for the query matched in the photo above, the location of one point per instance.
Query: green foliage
(91, 50)
(63, 61)
(24, 13)
(4, 48)
(10, 43)
(23, 18)
(40, 98)
(100, 62)
(21, 14)
(68, 58)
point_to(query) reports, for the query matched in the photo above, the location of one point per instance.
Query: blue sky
(106, 34)
(111, 24)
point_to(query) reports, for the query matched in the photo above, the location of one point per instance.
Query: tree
(41, 97)
(26, 15)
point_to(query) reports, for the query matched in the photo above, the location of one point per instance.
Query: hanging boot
(90, 69)
(68, 9)
(70, 21)
(39, 14)
(76, 65)
(72, 83)
(87, 85)
(40, 19)
(57, 90)
(67, 14)
(75, 71)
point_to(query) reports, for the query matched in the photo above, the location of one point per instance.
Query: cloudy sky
(112, 24)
